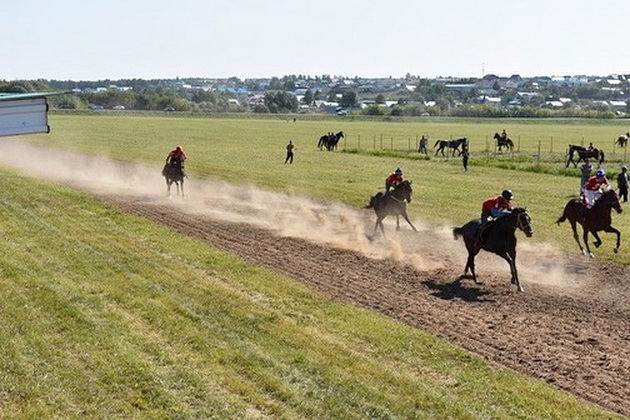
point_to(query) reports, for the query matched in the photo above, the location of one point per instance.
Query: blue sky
(71, 39)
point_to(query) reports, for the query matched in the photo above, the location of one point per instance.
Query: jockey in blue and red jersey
(497, 207)
(593, 187)
(394, 179)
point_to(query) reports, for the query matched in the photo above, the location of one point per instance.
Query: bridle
(519, 222)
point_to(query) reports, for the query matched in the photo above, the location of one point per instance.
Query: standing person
(465, 156)
(289, 148)
(422, 145)
(622, 183)
(586, 169)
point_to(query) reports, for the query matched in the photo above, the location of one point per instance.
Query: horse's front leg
(182, 187)
(598, 240)
(512, 262)
(585, 238)
(409, 221)
(611, 229)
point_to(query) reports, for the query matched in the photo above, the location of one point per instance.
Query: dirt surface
(576, 338)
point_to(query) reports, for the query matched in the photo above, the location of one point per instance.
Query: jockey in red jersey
(393, 179)
(177, 153)
(497, 207)
(593, 187)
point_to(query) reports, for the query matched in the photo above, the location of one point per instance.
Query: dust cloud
(331, 224)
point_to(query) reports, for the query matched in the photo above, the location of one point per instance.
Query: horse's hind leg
(611, 229)
(588, 248)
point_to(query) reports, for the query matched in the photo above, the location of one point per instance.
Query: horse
(330, 141)
(452, 144)
(392, 203)
(503, 142)
(583, 153)
(498, 237)
(622, 141)
(596, 219)
(173, 172)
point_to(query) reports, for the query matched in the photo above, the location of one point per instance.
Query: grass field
(252, 151)
(109, 315)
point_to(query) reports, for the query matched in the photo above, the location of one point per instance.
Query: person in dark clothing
(290, 148)
(586, 170)
(622, 183)
(465, 156)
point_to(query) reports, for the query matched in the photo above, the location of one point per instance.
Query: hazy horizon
(74, 40)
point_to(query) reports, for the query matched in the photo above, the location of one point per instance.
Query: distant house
(618, 105)
(460, 87)
(552, 104)
(233, 101)
(118, 107)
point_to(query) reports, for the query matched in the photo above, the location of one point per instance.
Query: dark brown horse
(622, 140)
(583, 153)
(393, 203)
(498, 237)
(451, 144)
(173, 172)
(594, 220)
(330, 141)
(503, 142)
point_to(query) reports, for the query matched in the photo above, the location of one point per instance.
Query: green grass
(110, 315)
(252, 151)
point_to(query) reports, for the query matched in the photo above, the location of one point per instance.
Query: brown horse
(583, 154)
(173, 172)
(594, 220)
(622, 140)
(393, 203)
(503, 142)
(498, 237)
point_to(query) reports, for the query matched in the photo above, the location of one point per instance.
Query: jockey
(177, 153)
(591, 147)
(504, 134)
(393, 179)
(593, 187)
(497, 207)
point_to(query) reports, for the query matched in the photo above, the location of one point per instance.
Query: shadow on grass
(456, 290)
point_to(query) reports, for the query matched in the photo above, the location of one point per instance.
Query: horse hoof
(615, 250)
(592, 255)
(520, 289)
(597, 244)
(584, 252)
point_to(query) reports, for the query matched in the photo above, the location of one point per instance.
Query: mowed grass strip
(252, 151)
(106, 314)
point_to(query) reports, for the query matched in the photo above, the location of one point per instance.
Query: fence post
(551, 147)
(374, 141)
(359, 141)
(344, 143)
(519, 144)
(409, 144)
(538, 156)
(416, 144)
(487, 146)
(391, 144)
(625, 154)
(614, 147)
(582, 142)
(381, 142)
(487, 151)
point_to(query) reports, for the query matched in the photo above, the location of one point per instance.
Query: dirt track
(576, 339)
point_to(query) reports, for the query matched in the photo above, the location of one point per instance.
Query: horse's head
(340, 134)
(610, 198)
(497, 136)
(523, 221)
(403, 191)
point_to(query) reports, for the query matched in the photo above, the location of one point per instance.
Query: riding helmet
(507, 194)
(398, 171)
(600, 173)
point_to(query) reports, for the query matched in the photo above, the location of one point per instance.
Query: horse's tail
(457, 232)
(563, 217)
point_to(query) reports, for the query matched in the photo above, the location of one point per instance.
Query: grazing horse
(622, 141)
(392, 203)
(583, 153)
(503, 142)
(452, 144)
(330, 141)
(498, 237)
(596, 219)
(174, 173)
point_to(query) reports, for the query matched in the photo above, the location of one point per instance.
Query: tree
(317, 95)
(373, 110)
(332, 97)
(349, 98)
(280, 101)
(308, 97)
(380, 99)
(396, 111)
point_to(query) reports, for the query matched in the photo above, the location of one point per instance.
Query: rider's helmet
(507, 194)
(398, 171)
(178, 148)
(600, 173)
